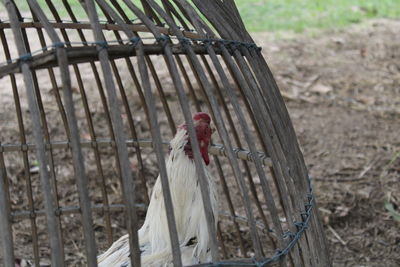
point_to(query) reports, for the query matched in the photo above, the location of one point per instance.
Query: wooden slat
(231, 206)
(229, 32)
(228, 90)
(285, 179)
(26, 214)
(223, 134)
(194, 142)
(299, 187)
(125, 99)
(84, 54)
(101, 176)
(54, 235)
(78, 160)
(6, 234)
(215, 149)
(250, 141)
(122, 151)
(242, 121)
(270, 140)
(155, 132)
(24, 154)
(257, 111)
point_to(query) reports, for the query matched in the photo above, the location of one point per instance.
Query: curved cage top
(92, 92)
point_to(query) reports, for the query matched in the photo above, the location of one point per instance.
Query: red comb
(202, 116)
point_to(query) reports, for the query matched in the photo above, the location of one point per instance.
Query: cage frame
(245, 63)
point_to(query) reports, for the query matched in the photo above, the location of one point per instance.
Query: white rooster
(188, 208)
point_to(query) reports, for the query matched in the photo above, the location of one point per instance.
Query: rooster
(187, 201)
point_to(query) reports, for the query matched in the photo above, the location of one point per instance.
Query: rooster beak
(213, 130)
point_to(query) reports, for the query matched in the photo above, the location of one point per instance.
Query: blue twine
(163, 39)
(184, 41)
(25, 58)
(135, 40)
(235, 45)
(102, 44)
(207, 42)
(58, 45)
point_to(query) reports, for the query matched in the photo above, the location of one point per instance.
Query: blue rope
(135, 40)
(184, 41)
(58, 45)
(163, 40)
(25, 58)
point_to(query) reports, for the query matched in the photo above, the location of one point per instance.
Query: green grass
(75, 6)
(288, 15)
(299, 15)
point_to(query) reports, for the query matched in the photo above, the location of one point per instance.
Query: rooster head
(201, 121)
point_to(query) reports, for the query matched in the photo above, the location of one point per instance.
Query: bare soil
(342, 90)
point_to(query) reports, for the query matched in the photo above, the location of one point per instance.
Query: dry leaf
(342, 211)
(321, 88)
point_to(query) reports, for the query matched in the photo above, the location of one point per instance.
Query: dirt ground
(342, 90)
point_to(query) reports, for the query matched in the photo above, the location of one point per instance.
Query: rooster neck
(181, 144)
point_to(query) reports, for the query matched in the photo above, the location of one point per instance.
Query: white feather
(189, 215)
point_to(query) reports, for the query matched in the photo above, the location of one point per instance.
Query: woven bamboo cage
(87, 109)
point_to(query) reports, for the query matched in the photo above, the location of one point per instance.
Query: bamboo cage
(92, 91)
